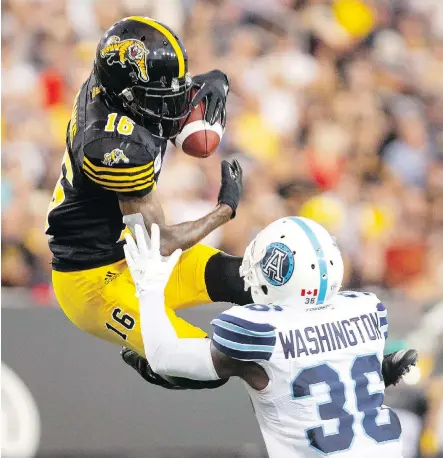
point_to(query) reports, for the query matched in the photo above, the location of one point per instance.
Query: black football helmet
(142, 66)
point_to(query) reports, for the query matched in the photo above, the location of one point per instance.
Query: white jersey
(325, 395)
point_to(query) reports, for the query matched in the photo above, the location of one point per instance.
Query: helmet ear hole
(264, 288)
(133, 77)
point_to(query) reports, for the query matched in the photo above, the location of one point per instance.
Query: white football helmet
(295, 262)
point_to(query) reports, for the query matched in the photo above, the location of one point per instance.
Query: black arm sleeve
(223, 281)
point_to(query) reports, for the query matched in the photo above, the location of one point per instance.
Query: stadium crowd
(335, 112)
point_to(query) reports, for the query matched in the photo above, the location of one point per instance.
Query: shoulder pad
(124, 167)
(356, 294)
(237, 334)
(104, 121)
(359, 297)
(371, 300)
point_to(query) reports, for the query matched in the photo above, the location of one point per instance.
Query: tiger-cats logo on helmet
(129, 51)
(114, 157)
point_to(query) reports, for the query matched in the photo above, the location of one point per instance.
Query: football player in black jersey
(131, 105)
(123, 116)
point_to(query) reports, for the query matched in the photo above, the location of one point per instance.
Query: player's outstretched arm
(186, 235)
(167, 354)
(196, 359)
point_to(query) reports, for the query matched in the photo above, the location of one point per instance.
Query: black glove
(214, 86)
(231, 185)
(397, 364)
(142, 366)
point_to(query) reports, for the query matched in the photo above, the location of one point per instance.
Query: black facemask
(158, 107)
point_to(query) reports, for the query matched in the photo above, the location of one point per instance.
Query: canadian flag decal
(309, 292)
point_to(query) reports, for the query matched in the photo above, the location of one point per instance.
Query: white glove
(149, 269)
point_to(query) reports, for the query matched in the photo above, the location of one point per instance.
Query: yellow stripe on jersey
(111, 178)
(169, 36)
(136, 180)
(138, 188)
(126, 179)
(121, 171)
(68, 164)
(95, 91)
(123, 187)
(120, 177)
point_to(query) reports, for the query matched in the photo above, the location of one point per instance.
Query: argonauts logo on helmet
(278, 264)
(130, 51)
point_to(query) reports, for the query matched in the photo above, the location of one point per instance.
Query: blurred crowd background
(335, 112)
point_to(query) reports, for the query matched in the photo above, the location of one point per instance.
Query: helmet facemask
(249, 270)
(161, 107)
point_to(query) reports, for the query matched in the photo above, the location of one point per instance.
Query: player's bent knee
(223, 281)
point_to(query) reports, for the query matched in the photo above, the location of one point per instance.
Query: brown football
(197, 137)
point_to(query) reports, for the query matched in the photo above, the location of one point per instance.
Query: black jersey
(106, 155)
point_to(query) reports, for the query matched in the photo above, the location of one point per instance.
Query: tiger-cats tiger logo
(114, 157)
(129, 51)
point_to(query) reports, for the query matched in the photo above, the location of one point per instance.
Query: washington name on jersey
(107, 157)
(326, 390)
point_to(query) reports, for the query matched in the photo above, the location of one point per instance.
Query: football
(197, 137)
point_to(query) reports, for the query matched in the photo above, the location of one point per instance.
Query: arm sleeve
(383, 319)
(242, 339)
(167, 354)
(124, 167)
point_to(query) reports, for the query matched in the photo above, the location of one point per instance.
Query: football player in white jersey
(311, 356)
